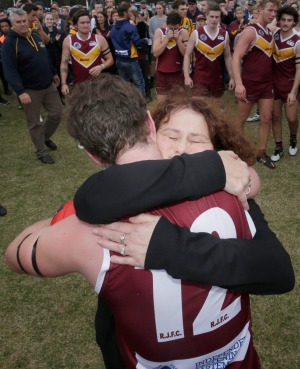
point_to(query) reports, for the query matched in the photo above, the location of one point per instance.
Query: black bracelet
(18, 256)
(33, 259)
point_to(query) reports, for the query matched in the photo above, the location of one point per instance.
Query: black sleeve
(123, 190)
(259, 266)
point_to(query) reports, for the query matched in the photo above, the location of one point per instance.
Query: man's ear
(151, 125)
(96, 160)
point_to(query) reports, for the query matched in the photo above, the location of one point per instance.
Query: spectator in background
(249, 9)
(114, 16)
(193, 11)
(237, 26)
(64, 12)
(30, 75)
(180, 7)
(58, 21)
(40, 11)
(143, 30)
(157, 21)
(34, 23)
(5, 26)
(126, 40)
(98, 7)
(109, 10)
(200, 21)
(226, 16)
(54, 46)
(103, 28)
(144, 8)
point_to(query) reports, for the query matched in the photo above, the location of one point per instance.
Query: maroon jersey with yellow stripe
(171, 60)
(284, 59)
(209, 52)
(257, 63)
(85, 54)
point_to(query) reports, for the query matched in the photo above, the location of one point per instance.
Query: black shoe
(2, 211)
(265, 160)
(51, 145)
(3, 101)
(46, 159)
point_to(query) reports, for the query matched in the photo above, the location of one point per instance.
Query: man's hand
(95, 71)
(240, 92)
(135, 244)
(238, 179)
(65, 89)
(231, 84)
(188, 82)
(25, 98)
(291, 98)
(56, 80)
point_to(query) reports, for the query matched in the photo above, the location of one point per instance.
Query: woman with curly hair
(193, 124)
(103, 29)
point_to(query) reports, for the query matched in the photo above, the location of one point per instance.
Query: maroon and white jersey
(171, 60)
(284, 59)
(163, 322)
(208, 52)
(257, 63)
(85, 54)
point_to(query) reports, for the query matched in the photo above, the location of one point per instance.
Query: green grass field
(49, 323)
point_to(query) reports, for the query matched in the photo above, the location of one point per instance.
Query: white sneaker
(277, 154)
(80, 147)
(254, 118)
(293, 150)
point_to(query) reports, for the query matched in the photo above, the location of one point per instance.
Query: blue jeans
(131, 71)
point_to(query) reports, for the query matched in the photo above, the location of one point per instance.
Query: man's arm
(259, 266)
(10, 67)
(135, 37)
(246, 39)
(187, 59)
(159, 42)
(164, 181)
(292, 96)
(182, 41)
(65, 57)
(38, 28)
(63, 248)
(95, 71)
(228, 62)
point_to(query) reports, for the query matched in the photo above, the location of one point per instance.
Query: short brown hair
(176, 4)
(80, 13)
(222, 133)
(107, 115)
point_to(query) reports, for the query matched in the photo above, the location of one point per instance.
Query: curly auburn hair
(223, 135)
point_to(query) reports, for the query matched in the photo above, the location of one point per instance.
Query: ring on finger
(249, 187)
(123, 251)
(122, 237)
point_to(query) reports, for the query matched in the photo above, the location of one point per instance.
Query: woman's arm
(124, 190)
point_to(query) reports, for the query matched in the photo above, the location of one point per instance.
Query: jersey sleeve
(124, 190)
(259, 266)
(63, 212)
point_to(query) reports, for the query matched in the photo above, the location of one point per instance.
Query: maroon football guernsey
(257, 63)
(208, 52)
(171, 60)
(85, 54)
(284, 59)
(163, 322)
